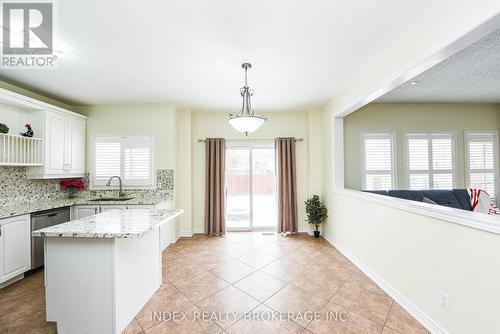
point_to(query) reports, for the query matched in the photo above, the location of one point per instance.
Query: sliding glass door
(250, 185)
(238, 210)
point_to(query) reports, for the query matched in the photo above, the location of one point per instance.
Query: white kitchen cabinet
(76, 146)
(104, 208)
(55, 124)
(140, 206)
(167, 230)
(81, 211)
(15, 246)
(64, 148)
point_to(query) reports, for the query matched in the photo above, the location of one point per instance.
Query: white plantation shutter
(431, 161)
(481, 155)
(107, 159)
(130, 157)
(138, 160)
(378, 170)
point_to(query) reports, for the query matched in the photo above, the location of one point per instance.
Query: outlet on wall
(58, 186)
(445, 301)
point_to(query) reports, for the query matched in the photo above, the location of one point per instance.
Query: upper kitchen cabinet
(64, 147)
(57, 149)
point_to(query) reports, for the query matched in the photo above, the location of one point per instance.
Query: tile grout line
(355, 312)
(388, 313)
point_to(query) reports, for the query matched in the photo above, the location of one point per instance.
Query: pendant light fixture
(246, 121)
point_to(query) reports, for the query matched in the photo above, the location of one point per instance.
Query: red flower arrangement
(72, 186)
(78, 185)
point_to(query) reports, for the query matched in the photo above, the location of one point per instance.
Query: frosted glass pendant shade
(246, 124)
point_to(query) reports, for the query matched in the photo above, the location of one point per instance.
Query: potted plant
(72, 186)
(4, 128)
(316, 212)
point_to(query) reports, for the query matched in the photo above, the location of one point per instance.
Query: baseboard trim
(413, 310)
(177, 237)
(185, 234)
(11, 281)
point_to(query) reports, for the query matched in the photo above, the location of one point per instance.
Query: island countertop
(120, 223)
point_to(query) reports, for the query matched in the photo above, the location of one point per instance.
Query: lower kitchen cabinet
(167, 230)
(82, 211)
(104, 208)
(15, 246)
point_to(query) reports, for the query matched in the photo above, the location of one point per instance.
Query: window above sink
(127, 156)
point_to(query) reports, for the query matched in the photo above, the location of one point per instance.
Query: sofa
(454, 198)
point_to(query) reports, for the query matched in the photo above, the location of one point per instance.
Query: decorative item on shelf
(4, 128)
(316, 212)
(72, 186)
(246, 121)
(29, 132)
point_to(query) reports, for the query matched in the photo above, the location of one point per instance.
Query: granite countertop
(21, 209)
(118, 223)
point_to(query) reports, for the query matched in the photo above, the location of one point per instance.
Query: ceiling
(469, 76)
(189, 52)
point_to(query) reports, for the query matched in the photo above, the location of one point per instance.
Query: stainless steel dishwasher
(42, 219)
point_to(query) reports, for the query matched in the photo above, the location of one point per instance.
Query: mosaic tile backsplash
(16, 188)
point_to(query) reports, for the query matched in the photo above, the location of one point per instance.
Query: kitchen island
(101, 270)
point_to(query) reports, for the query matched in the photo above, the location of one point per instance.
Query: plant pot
(71, 192)
(316, 234)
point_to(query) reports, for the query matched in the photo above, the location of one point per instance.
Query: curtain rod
(203, 140)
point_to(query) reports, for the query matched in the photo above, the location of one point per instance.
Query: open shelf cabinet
(20, 151)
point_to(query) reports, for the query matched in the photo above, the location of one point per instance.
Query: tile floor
(225, 279)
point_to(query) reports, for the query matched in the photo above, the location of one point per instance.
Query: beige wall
(158, 120)
(183, 172)
(176, 132)
(296, 124)
(401, 118)
(418, 256)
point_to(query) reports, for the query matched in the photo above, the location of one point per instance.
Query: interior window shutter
(137, 160)
(442, 161)
(418, 162)
(481, 161)
(378, 162)
(431, 161)
(107, 152)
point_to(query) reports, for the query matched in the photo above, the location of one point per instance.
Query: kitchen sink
(110, 199)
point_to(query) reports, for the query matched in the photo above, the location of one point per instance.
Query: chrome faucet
(120, 193)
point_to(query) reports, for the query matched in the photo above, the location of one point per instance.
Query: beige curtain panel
(287, 185)
(215, 186)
